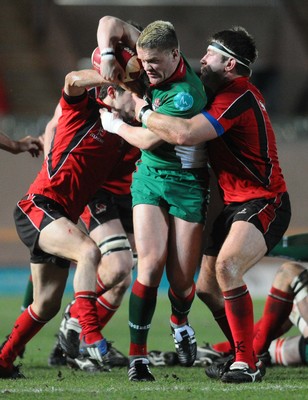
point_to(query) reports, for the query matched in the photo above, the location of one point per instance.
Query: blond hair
(159, 35)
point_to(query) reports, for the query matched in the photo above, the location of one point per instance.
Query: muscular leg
(277, 309)
(289, 351)
(117, 264)
(48, 287)
(114, 273)
(207, 287)
(48, 283)
(65, 239)
(184, 253)
(152, 253)
(242, 249)
(209, 292)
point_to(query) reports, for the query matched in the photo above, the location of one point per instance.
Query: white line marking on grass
(158, 388)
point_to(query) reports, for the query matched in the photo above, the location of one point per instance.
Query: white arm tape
(145, 116)
(110, 123)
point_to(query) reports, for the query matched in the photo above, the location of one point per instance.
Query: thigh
(151, 225)
(186, 193)
(109, 228)
(184, 252)
(243, 248)
(270, 216)
(32, 214)
(64, 239)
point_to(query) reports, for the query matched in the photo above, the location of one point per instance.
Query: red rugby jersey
(119, 181)
(81, 158)
(244, 156)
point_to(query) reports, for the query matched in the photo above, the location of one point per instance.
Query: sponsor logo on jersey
(183, 101)
(99, 136)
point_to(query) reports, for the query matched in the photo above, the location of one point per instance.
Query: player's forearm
(8, 144)
(85, 78)
(170, 129)
(180, 131)
(139, 137)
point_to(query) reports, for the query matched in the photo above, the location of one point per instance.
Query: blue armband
(217, 126)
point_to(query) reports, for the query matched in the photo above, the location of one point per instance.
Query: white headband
(223, 50)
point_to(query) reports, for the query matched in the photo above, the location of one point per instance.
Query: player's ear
(230, 64)
(111, 92)
(175, 53)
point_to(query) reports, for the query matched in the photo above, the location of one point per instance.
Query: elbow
(184, 139)
(70, 78)
(181, 140)
(104, 20)
(184, 134)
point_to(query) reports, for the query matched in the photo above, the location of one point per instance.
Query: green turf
(178, 383)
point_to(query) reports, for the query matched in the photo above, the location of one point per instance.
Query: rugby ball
(126, 57)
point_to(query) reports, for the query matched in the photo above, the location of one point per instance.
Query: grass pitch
(44, 382)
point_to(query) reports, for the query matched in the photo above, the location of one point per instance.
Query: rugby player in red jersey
(107, 218)
(81, 157)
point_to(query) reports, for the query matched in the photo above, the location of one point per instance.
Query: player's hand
(110, 122)
(111, 71)
(31, 144)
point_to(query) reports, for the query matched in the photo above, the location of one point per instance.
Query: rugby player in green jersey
(169, 188)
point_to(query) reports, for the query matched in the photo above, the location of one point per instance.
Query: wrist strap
(108, 53)
(145, 117)
(143, 110)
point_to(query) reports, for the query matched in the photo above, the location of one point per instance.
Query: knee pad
(299, 286)
(114, 243)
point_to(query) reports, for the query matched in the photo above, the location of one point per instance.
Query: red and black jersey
(244, 156)
(81, 157)
(119, 181)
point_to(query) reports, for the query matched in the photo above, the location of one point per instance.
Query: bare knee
(290, 269)
(114, 269)
(90, 253)
(286, 273)
(227, 273)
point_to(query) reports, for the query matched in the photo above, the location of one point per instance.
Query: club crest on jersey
(100, 208)
(183, 101)
(156, 104)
